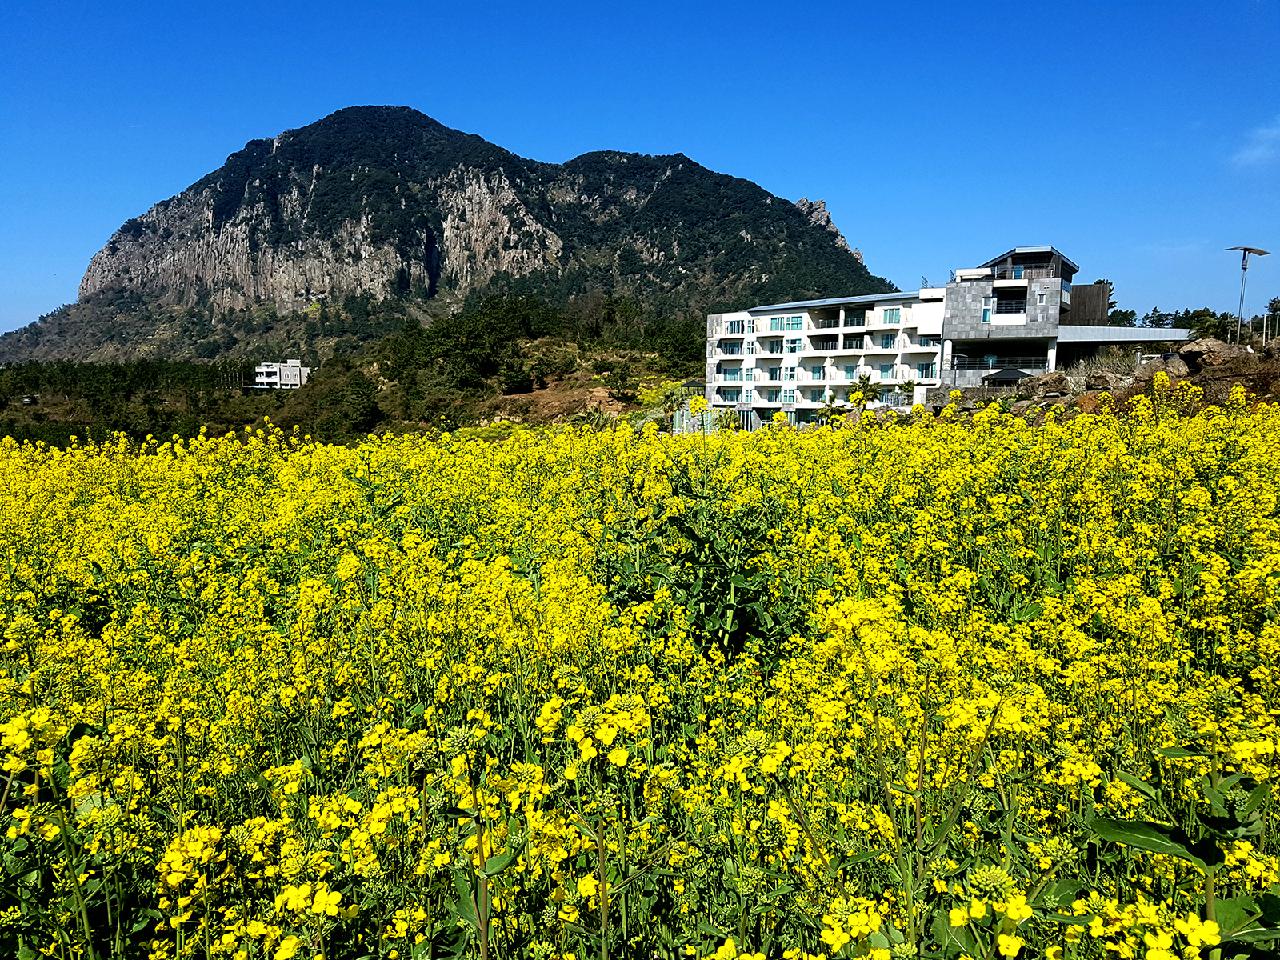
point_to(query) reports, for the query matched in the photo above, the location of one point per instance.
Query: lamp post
(1244, 271)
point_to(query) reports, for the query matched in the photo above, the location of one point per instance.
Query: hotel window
(858, 319)
(816, 371)
(851, 371)
(788, 373)
(775, 323)
(750, 373)
(893, 315)
(886, 341)
(927, 341)
(793, 344)
(751, 325)
(926, 371)
(746, 396)
(795, 323)
(986, 309)
(751, 348)
(775, 373)
(788, 396)
(886, 371)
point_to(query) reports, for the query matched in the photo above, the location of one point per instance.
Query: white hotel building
(1008, 318)
(290, 375)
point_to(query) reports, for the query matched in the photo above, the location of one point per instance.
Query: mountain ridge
(383, 203)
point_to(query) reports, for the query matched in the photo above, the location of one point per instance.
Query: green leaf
(1148, 836)
(1254, 934)
(1269, 905)
(1141, 786)
(1179, 753)
(499, 862)
(464, 907)
(1236, 915)
(1060, 892)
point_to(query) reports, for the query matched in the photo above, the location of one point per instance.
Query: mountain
(386, 206)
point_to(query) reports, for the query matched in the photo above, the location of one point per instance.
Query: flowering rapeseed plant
(941, 688)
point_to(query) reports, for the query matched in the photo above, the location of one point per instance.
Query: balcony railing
(826, 323)
(1011, 306)
(1000, 363)
(825, 343)
(1025, 273)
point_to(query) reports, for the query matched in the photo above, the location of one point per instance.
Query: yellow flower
(1008, 945)
(618, 756)
(288, 947)
(326, 901)
(1017, 909)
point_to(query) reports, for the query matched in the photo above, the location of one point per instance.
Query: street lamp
(1244, 270)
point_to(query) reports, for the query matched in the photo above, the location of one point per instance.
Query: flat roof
(1038, 249)
(1083, 334)
(835, 301)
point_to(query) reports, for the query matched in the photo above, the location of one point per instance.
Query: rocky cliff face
(381, 202)
(820, 217)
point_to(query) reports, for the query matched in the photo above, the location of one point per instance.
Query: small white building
(289, 375)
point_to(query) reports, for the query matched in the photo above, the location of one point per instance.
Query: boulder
(1209, 352)
(1053, 383)
(1107, 380)
(1174, 366)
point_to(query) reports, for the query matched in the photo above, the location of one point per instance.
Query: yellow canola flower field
(948, 687)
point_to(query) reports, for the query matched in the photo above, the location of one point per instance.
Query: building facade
(289, 375)
(995, 322)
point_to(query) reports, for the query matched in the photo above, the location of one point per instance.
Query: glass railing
(1024, 273)
(999, 363)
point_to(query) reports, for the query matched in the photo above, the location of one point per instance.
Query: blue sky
(1141, 139)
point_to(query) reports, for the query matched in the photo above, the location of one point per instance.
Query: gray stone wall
(962, 313)
(1044, 316)
(962, 310)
